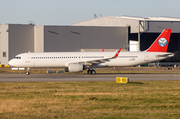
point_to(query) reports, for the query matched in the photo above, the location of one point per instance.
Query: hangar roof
(162, 18)
(137, 24)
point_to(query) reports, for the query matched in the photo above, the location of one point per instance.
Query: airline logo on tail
(161, 43)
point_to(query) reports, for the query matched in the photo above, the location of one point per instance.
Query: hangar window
(4, 54)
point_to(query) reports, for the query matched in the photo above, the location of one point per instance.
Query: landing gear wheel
(89, 72)
(27, 73)
(93, 72)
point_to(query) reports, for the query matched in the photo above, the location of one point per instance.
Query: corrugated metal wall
(75, 38)
(21, 39)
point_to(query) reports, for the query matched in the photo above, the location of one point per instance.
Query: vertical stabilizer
(161, 43)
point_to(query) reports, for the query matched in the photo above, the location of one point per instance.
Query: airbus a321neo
(79, 61)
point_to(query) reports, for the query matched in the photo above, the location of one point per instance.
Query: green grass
(102, 100)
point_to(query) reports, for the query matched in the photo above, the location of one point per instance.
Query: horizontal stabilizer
(166, 55)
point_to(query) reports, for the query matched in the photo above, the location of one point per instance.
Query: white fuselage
(62, 59)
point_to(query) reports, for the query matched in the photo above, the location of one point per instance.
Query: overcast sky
(67, 12)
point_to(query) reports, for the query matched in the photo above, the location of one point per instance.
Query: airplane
(79, 61)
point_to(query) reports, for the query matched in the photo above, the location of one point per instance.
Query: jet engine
(74, 68)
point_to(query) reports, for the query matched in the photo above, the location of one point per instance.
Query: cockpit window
(17, 57)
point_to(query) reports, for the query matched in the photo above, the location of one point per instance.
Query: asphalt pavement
(10, 77)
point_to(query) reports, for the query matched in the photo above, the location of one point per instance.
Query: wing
(98, 61)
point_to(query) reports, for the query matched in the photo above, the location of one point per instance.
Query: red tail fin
(161, 43)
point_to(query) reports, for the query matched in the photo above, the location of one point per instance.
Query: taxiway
(10, 77)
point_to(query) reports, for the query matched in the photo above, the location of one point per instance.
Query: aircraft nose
(11, 63)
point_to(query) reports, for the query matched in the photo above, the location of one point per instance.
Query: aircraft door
(146, 57)
(28, 58)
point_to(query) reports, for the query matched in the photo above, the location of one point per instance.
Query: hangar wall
(4, 43)
(75, 38)
(157, 26)
(15, 39)
(38, 38)
(21, 39)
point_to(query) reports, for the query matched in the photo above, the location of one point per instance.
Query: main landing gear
(91, 72)
(28, 71)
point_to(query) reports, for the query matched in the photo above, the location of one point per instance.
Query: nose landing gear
(28, 71)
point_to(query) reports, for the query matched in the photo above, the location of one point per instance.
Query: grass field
(102, 100)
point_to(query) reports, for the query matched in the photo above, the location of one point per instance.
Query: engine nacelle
(74, 68)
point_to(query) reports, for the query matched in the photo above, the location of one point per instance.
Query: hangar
(98, 33)
(143, 30)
